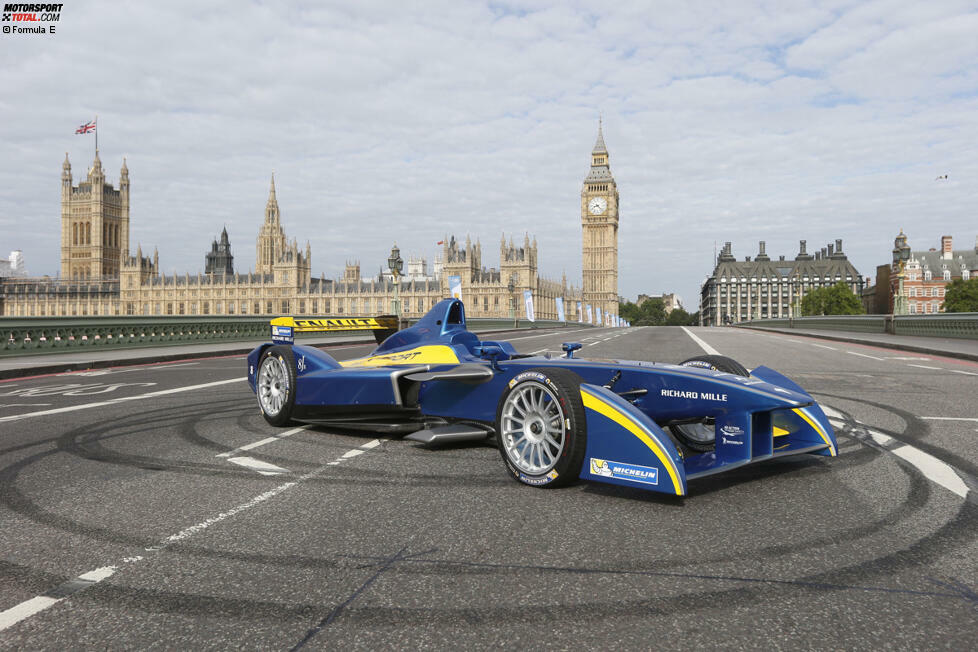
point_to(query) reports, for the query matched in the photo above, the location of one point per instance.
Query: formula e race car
(649, 425)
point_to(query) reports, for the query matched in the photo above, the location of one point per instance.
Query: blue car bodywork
(436, 376)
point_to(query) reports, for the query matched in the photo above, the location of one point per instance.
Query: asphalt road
(152, 507)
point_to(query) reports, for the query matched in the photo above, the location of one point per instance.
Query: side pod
(625, 447)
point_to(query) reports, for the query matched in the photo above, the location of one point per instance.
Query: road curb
(854, 340)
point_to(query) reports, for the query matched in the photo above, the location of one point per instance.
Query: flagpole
(96, 134)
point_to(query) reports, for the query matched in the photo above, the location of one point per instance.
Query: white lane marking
(863, 355)
(25, 609)
(950, 418)
(527, 337)
(99, 574)
(257, 465)
(905, 357)
(348, 454)
(922, 366)
(115, 401)
(268, 440)
(966, 373)
(703, 345)
(822, 346)
(37, 604)
(932, 468)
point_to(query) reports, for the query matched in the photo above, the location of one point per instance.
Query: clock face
(597, 205)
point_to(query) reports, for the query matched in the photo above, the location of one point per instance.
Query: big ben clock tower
(599, 222)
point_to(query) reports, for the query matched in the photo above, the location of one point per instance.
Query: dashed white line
(269, 440)
(863, 355)
(114, 401)
(35, 605)
(950, 418)
(932, 468)
(966, 373)
(822, 346)
(264, 468)
(922, 366)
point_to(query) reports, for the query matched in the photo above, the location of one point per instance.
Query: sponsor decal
(731, 441)
(397, 357)
(622, 471)
(301, 363)
(703, 364)
(733, 431)
(535, 481)
(696, 396)
(282, 334)
(251, 370)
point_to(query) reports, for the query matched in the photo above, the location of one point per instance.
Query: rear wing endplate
(285, 328)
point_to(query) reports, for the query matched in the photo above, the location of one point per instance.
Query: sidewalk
(950, 347)
(39, 364)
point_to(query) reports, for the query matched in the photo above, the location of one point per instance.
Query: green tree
(680, 317)
(961, 296)
(835, 300)
(652, 312)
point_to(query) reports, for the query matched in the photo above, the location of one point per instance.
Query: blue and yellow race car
(649, 425)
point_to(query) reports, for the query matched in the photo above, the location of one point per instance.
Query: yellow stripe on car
(604, 408)
(431, 354)
(814, 424)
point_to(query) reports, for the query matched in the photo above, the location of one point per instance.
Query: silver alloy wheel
(533, 428)
(273, 385)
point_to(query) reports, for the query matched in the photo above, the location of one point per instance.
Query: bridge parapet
(53, 334)
(963, 325)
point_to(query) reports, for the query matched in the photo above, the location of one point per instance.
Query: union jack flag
(85, 128)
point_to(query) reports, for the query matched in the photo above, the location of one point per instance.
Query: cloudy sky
(392, 121)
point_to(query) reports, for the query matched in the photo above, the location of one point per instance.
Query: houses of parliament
(101, 276)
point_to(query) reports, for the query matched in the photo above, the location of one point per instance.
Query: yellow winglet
(604, 408)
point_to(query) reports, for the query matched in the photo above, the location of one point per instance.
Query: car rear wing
(285, 328)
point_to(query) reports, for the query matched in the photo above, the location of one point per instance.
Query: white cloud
(384, 122)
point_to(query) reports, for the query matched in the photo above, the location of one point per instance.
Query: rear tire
(275, 385)
(701, 436)
(541, 427)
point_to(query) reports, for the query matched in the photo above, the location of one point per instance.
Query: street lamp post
(395, 264)
(900, 301)
(512, 301)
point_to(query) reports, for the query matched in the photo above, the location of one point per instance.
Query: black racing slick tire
(717, 363)
(701, 435)
(275, 385)
(541, 427)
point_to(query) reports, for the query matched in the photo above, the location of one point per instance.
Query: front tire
(275, 385)
(701, 436)
(541, 427)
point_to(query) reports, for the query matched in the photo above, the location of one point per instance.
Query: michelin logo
(620, 471)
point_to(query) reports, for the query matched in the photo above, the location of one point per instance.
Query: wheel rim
(273, 385)
(533, 428)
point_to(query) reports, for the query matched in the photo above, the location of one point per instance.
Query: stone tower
(94, 224)
(271, 238)
(220, 260)
(599, 222)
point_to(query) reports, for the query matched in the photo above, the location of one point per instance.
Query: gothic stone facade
(599, 226)
(101, 277)
(764, 288)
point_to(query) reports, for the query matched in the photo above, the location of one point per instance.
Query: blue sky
(383, 122)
